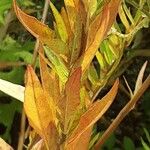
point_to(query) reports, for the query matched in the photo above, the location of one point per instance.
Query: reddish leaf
(72, 98)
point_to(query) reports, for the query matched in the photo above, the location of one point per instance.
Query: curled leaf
(35, 27)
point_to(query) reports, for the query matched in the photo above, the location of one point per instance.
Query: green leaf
(128, 144)
(58, 64)
(145, 145)
(60, 23)
(7, 117)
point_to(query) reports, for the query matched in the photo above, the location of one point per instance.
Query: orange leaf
(37, 106)
(92, 115)
(83, 141)
(98, 30)
(35, 27)
(72, 91)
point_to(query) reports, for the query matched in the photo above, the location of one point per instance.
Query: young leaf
(37, 106)
(60, 23)
(4, 145)
(35, 27)
(140, 78)
(14, 90)
(93, 114)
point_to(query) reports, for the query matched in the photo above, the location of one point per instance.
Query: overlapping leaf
(37, 106)
(98, 30)
(94, 112)
(72, 98)
(58, 64)
(60, 23)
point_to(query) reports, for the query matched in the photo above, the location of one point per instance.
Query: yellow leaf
(35, 27)
(60, 23)
(71, 12)
(92, 115)
(92, 7)
(37, 106)
(48, 82)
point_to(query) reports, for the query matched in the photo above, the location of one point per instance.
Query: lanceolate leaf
(71, 11)
(47, 82)
(35, 27)
(92, 7)
(72, 92)
(98, 30)
(58, 63)
(139, 80)
(60, 23)
(37, 106)
(93, 114)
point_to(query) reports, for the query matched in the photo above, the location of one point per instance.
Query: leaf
(7, 117)
(128, 144)
(4, 145)
(72, 91)
(97, 32)
(71, 11)
(92, 7)
(93, 114)
(14, 90)
(60, 23)
(48, 82)
(145, 145)
(37, 106)
(83, 141)
(35, 27)
(4, 5)
(58, 63)
(140, 78)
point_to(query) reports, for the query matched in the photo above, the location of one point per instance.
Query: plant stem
(22, 131)
(128, 107)
(35, 53)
